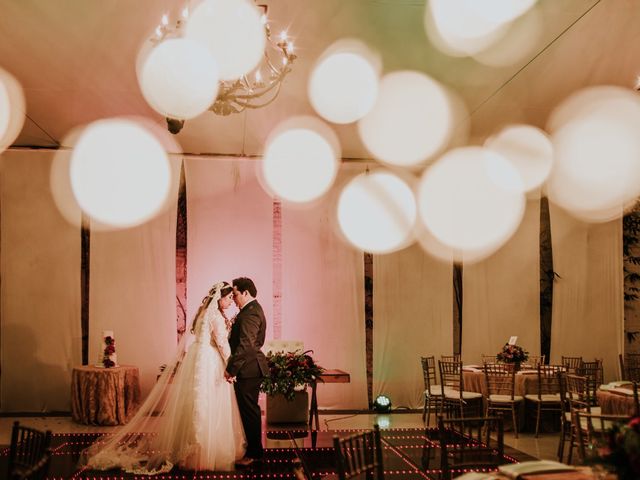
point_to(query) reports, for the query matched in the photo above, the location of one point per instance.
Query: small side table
(104, 396)
(328, 376)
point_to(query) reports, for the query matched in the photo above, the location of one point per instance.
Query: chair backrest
(489, 358)
(450, 358)
(578, 397)
(594, 373)
(38, 471)
(429, 371)
(466, 443)
(549, 378)
(450, 375)
(358, 454)
(593, 430)
(572, 364)
(28, 447)
(534, 360)
(500, 379)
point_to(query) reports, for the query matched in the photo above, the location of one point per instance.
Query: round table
(104, 396)
(526, 382)
(612, 403)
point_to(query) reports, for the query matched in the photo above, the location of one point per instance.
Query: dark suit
(249, 365)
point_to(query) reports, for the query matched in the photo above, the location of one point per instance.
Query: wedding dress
(190, 417)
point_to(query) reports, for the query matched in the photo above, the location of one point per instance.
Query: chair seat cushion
(505, 398)
(436, 391)
(455, 394)
(583, 421)
(551, 397)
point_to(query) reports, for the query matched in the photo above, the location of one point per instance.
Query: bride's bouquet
(289, 371)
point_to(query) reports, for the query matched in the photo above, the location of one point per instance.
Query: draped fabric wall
(229, 230)
(133, 291)
(501, 294)
(413, 312)
(40, 295)
(230, 234)
(588, 298)
(323, 297)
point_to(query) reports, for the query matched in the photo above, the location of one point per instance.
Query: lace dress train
(199, 427)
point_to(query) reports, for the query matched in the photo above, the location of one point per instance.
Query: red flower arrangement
(512, 354)
(288, 371)
(621, 452)
(109, 350)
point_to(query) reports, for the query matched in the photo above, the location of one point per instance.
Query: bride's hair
(218, 291)
(225, 290)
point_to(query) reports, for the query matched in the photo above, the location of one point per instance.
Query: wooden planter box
(281, 410)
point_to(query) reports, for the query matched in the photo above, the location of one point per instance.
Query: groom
(248, 364)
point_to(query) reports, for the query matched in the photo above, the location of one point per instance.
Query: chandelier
(255, 90)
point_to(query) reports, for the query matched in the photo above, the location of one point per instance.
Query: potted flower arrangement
(619, 453)
(285, 386)
(512, 354)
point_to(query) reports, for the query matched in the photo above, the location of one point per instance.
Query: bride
(190, 418)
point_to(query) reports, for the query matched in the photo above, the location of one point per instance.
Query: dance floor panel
(408, 453)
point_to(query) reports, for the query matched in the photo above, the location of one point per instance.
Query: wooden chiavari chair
(466, 443)
(432, 390)
(547, 397)
(572, 364)
(456, 399)
(501, 397)
(358, 454)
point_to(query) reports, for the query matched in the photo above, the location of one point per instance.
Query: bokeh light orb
(411, 121)
(377, 212)
(179, 78)
(596, 140)
(233, 32)
(528, 149)
(457, 29)
(120, 174)
(496, 11)
(471, 201)
(343, 85)
(300, 161)
(12, 109)
(519, 42)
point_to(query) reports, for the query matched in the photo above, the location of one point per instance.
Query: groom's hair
(243, 284)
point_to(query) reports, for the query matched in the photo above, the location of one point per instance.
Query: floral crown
(217, 287)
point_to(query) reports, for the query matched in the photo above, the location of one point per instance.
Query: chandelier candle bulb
(238, 36)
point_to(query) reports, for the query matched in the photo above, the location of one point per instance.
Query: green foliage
(630, 244)
(630, 250)
(288, 371)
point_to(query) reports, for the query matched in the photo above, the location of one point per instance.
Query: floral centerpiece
(512, 354)
(620, 451)
(109, 350)
(288, 372)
